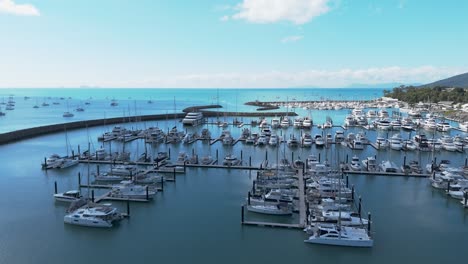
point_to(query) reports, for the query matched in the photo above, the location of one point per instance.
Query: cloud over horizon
(270, 11)
(10, 7)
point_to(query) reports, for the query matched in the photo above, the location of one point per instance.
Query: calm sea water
(197, 218)
(165, 101)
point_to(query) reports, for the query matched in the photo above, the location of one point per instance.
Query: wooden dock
(269, 224)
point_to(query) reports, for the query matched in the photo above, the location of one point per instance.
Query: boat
(205, 134)
(307, 140)
(298, 122)
(319, 141)
(307, 123)
(447, 143)
(52, 161)
(89, 214)
(206, 160)
(68, 196)
(384, 124)
(370, 164)
(355, 164)
(273, 141)
(430, 124)
(395, 142)
(339, 136)
(285, 122)
(443, 127)
(123, 170)
(421, 141)
(388, 166)
(337, 235)
(293, 142)
(66, 162)
(129, 190)
(408, 144)
(193, 119)
(381, 143)
(278, 209)
(231, 160)
(262, 140)
(68, 114)
(463, 126)
(357, 144)
(275, 123)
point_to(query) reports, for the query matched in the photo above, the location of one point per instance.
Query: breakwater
(21, 134)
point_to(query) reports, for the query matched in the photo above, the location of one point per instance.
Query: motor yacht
(193, 119)
(84, 213)
(68, 196)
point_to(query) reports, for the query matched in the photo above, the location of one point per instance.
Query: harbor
(228, 154)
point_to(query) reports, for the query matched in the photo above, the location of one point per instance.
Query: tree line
(413, 95)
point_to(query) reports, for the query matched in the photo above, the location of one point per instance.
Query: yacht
(84, 213)
(307, 123)
(307, 140)
(123, 170)
(434, 144)
(357, 144)
(206, 160)
(383, 113)
(388, 166)
(371, 114)
(285, 122)
(339, 136)
(205, 134)
(349, 121)
(443, 127)
(430, 124)
(68, 196)
(336, 235)
(52, 161)
(129, 190)
(67, 114)
(381, 143)
(319, 141)
(293, 142)
(421, 141)
(395, 124)
(231, 160)
(193, 119)
(408, 144)
(275, 123)
(370, 164)
(355, 164)
(407, 124)
(273, 140)
(463, 126)
(262, 140)
(384, 124)
(67, 162)
(298, 122)
(447, 143)
(278, 209)
(396, 142)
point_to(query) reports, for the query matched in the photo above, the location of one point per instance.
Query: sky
(230, 43)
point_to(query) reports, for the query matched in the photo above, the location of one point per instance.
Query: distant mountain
(455, 81)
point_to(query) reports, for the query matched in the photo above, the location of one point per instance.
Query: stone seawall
(21, 134)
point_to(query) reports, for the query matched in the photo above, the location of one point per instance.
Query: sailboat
(338, 235)
(67, 113)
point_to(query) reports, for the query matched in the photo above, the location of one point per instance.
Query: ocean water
(165, 101)
(197, 218)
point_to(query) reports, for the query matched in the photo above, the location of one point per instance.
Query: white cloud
(271, 11)
(10, 7)
(289, 39)
(273, 79)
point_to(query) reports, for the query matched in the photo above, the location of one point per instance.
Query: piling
(169, 153)
(250, 161)
(162, 184)
(347, 181)
(79, 179)
(217, 154)
(92, 196)
(185, 166)
(128, 207)
(352, 192)
(266, 154)
(45, 163)
(248, 198)
(97, 168)
(465, 195)
(404, 161)
(55, 187)
(242, 214)
(369, 222)
(466, 162)
(174, 173)
(253, 185)
(73, 153)
(359, 207)
(292, 156)
(347, 158)
(448, 187)
(79, 152)
(147, 192)
(241, 155)
(319, 157)
(193, 152)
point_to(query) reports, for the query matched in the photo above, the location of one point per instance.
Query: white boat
(262, 140)
(273, 141)
(357, 144)
(370, 164)
(68, 196)
(307, 123)
(193, 119)
(388, 166)
(206, 160)
(129, 190)
(67, 162)
(92, 215)
(293, 142)
(307, 140)
(384, 124)
(68, 114)
(270, 209)
(447, 143)
(396, 142)
(355, 164)
(231, 160)
(331, 234)
(52, 161)
(339, 136)
(443, 127)
(463, 126)
(123, 170)
(275, 122)
(408, 144)
(285, 122)
(319, 141)
(430, 124)
(298, 122)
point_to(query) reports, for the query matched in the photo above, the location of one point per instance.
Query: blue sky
(230, 43)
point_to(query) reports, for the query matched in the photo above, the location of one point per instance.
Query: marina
(223, 156)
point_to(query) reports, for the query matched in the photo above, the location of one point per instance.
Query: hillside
(455, 81)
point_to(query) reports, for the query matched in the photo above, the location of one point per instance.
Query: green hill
(455, 81)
